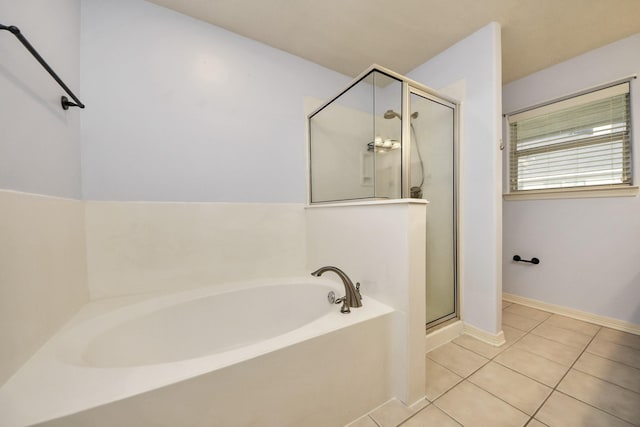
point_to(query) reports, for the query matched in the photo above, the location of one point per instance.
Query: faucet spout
(352, 296)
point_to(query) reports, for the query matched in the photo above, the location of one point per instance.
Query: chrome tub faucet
(352, 297)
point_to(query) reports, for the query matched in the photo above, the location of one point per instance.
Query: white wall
(588, 248)
(475, 64)
(40, 143)
(181, 110)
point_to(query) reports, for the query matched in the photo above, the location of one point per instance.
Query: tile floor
(552, 371)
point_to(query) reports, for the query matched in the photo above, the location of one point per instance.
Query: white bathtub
(256, 354)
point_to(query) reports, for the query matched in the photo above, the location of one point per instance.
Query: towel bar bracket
(534, 260)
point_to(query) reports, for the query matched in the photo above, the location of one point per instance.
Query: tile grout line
(555, 340)
(596, 408)
(573, 397)
(565, 374)
(374, 420)
(489, 360)
(607, 381)
(531, 417)
(554, 388)
(413, 415)
(584, 350)
(442, 366)
(593, 376)
(617, 361)
(530, 331)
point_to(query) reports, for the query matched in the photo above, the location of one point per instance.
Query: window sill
(574, 193)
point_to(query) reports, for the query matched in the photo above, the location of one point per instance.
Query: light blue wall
(588, 248)
(39, 141)
(474, 64)
(182, 110)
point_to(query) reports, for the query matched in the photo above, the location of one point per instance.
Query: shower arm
(64, 101)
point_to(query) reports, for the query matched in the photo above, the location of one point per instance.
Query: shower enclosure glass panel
(432, 174)
(355, 150)
(387, 137)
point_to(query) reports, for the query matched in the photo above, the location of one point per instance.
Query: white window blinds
(576, 142)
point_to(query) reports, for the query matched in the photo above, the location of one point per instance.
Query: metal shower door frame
(411, 88)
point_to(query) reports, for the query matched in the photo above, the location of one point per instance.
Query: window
(582, 141)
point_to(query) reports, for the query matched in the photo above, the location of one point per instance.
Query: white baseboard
(452, 331)
(608, 322)
(443, 335)
(484, 336)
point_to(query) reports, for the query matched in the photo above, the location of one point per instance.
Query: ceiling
(349, 35)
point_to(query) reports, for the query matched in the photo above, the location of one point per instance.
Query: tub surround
(382, 246)
(138, 247)
(311, 356)
(42, 272)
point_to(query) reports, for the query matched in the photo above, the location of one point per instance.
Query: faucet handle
(345, 307)
(358, 290)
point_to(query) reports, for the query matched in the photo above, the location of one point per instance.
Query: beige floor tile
(439, 379)
(391, 414)
(431, 416)
(564, 336)
(616, 352)
(535, 423)
(512, 387)
(572, 324)
(511, 335)
(565, 411)
(611, 398)
(608, 370)
(365, 421)
(457, 359)
(518, 322)
(482, 348)
(532, 365)
(471, 406)
(552, 350)
(619, 337)
(418, 406)
(529, 312)
(506, 304)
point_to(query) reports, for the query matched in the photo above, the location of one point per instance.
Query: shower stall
(388, 137)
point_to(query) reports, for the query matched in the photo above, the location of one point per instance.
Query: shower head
(390, 114)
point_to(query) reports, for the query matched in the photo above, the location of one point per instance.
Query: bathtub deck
(48, 387)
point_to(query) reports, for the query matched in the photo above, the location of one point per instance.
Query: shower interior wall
(340, 134)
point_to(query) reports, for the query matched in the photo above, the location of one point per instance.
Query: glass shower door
(433, 177)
